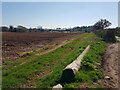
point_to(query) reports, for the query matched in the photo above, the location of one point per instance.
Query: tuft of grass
(81, 77)
(95, 75)
(46, 48)
(71, 85)
(99, 87)
(26, 54)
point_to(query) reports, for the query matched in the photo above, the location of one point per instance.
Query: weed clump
(107, 35)
(81, 77)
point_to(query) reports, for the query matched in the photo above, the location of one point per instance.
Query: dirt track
(110, 66)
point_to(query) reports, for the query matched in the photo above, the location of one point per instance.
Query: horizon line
(52, 27)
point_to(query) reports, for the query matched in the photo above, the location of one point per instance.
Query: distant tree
(102, 24)
(15, 30)
(58, 28)
(77, 28)
(21, 29)
(5, 29)
(11, 28)
(30, 29)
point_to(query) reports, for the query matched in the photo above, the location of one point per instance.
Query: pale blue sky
(58, 14)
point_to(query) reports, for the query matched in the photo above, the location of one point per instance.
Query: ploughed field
(14, 44)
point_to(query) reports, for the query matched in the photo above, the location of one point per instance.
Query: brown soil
(54, 48)
(110, 66)
(13, 44)
(62, 44)
(47, 51)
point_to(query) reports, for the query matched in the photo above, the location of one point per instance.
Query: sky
(58, 14)
(119, 14)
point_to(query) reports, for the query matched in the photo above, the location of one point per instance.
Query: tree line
(101, 24)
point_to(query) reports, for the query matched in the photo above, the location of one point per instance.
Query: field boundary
(54, 48)
(50, 50)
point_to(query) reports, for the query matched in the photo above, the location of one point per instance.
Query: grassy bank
(51, 64)
(90, 70)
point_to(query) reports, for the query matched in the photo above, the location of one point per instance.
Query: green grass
(27, 56)
(57, 72)
(54, 61)
(88, 72)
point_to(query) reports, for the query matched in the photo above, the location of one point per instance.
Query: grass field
(44, 71)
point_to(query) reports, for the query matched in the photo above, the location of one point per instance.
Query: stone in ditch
(58, 87)
(107, 77)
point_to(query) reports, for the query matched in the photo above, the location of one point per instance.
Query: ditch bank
(110, 66)
(90, 70)
(70, 71)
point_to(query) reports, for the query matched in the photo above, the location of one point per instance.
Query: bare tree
(102, 24)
